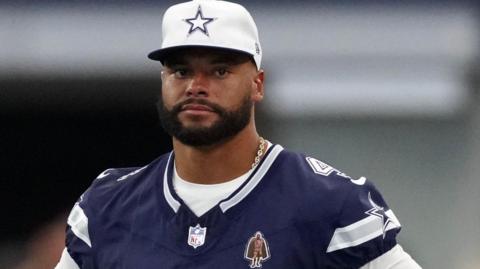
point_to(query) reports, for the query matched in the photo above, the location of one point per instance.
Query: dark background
(58, 135)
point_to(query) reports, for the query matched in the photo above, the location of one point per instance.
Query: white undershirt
(202, 197)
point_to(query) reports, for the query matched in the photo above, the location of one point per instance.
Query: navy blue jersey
(292, 212)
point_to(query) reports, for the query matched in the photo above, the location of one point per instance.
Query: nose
(198, 86)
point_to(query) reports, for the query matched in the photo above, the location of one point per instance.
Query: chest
(245, 242)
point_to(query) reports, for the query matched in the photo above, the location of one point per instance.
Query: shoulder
(116, 186)
(115, 190)
(352, 215)
(115, 182)
(112, 196)
(322, 184)
(353, 211)
(312, 167)
(313, 174)
(317, 190)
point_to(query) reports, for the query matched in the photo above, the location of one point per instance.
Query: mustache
(215, 108)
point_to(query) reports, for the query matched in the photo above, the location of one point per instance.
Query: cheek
(240, 88)
(227, 94)
(167, 97)
(170, 91)
(245, 88)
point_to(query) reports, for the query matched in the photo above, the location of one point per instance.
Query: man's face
(208, 95)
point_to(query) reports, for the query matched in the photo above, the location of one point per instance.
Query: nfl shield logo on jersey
(196, 236)
(257, 250)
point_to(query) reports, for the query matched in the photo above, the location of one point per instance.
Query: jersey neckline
(175, 202)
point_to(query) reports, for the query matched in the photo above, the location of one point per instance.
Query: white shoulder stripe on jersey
(254, 181)
(104, 173)
(174, 204)
(78, 222)
(361, 231)
(66, 261)
(131, 173)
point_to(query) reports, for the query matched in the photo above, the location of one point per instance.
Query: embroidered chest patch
(257, 250)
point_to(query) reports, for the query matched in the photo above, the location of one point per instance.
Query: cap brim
(158, 55)
(161, 54)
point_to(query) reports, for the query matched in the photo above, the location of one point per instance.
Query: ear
(162, 73)
(258, 86)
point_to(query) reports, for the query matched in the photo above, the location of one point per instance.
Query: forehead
(211, 55)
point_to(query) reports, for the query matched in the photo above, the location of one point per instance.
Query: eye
(180, 72)
(221, 72)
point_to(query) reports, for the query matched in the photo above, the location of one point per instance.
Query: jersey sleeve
(66, 261)
(395, 258)
(365, 229)
(78, 242)
(78, 239)
(82, 240)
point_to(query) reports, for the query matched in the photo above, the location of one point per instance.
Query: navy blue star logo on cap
(199, 22)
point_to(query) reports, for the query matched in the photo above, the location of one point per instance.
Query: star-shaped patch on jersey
(379, 212)
(199, 22)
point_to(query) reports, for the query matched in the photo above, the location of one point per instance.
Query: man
(225, 197)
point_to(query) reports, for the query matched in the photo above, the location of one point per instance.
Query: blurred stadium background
(389, 91)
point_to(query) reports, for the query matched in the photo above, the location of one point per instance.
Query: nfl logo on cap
(196, 236)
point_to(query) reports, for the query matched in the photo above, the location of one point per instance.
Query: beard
(228, 125)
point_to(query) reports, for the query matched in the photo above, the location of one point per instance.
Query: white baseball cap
(209, 23)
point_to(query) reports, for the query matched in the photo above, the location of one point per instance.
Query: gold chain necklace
(260, 152)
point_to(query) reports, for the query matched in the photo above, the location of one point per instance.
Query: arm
(396, 258)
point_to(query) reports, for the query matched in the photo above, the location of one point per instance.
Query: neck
(218, 163)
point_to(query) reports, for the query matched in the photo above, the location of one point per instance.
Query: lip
(196, 107)
(197, 110)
